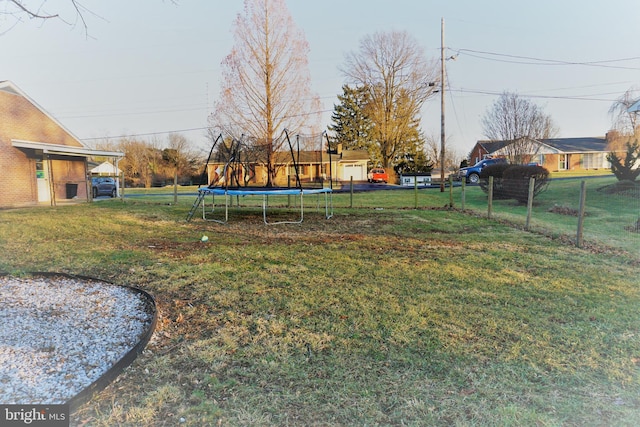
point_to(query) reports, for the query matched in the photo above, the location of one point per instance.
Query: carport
(61, 171)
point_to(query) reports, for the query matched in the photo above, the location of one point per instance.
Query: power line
(190, 129)
(570, 98)
(529, 60)
(145, 134)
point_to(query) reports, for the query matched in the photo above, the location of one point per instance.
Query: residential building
(41, 160)
(314, 168)
(555, 154)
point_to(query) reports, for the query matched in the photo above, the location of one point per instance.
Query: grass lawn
(389, 316)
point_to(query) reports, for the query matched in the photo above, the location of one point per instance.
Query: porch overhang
(64, 150)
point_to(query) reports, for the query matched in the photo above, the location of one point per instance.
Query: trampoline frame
(265, 193)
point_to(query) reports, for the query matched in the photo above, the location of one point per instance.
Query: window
(538, 159)
(595, 161)
(562, 162)
(302, 170)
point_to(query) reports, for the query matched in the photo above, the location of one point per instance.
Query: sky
(150, 67)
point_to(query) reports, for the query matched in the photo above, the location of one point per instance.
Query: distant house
(313, 167)
(484, 149)
(555, 154)
(41, 160)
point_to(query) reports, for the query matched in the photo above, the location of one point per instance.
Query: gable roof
(72, 146)
(577, 145)
(554, 145)
(492, 146)
(9, 87)
(303, 157)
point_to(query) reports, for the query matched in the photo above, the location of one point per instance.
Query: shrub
(496, 171)
(515, 181)
(626, 169)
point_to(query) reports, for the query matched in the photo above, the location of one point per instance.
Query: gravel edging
(64, 337)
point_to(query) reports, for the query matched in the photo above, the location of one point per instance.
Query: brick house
(484, 149)
(313, 167)
(42, 161)
(556, 154)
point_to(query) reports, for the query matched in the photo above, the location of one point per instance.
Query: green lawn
(382, 315)
(609, 222)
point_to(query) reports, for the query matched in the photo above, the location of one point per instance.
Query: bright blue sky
(152, 66)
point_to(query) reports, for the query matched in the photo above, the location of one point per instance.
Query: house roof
(106, 168)
(65, 150)
(492, 146)
(353, 155)
(305, 157)
(79, 149)
(577, 145)
(10, 87)
(556, 145)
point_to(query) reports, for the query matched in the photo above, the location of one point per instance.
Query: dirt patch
(563, 210)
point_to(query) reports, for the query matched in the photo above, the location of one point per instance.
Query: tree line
(155, 162)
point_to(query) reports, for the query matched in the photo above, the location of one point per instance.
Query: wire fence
(587, 212)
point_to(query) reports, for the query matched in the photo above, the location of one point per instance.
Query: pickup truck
(472, 173)
(378, 175)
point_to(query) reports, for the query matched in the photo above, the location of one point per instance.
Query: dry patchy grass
(390, 317)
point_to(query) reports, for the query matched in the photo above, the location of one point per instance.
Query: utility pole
(442, 86)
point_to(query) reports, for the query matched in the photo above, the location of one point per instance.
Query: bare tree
(20, 9)
(266, 83)
(516, 119)
(399, 78)
(453, 158)
(624, 121)
(140, 161)
(180, 155)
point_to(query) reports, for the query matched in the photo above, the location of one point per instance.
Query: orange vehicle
(378, 175)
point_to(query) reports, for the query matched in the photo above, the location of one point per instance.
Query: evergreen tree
(414, 160)
(351, 126)
(626, 169)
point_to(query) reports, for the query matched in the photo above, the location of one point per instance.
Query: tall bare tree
(393, 68)
(516, 119)
(624, 121)
(266, 84)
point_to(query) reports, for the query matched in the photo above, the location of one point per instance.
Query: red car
(378, 175)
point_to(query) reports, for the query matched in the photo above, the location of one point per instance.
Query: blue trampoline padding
(264, 191)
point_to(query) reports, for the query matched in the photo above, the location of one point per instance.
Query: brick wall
(21, 120)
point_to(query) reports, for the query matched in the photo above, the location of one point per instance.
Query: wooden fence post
(463, 186)
(583, 198)
(490, 204)
(415, 191)
(351, 192)
(175, 187)
(450, 191)
(532, 183)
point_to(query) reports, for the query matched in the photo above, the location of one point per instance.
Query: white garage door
(356, 171)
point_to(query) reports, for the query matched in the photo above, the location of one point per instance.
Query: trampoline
(234, 168)
(227, 193)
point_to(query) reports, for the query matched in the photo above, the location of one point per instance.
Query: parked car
(103, 186)
(378, 175)
(471, 174)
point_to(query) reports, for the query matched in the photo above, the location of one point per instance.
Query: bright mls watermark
(34, 415)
